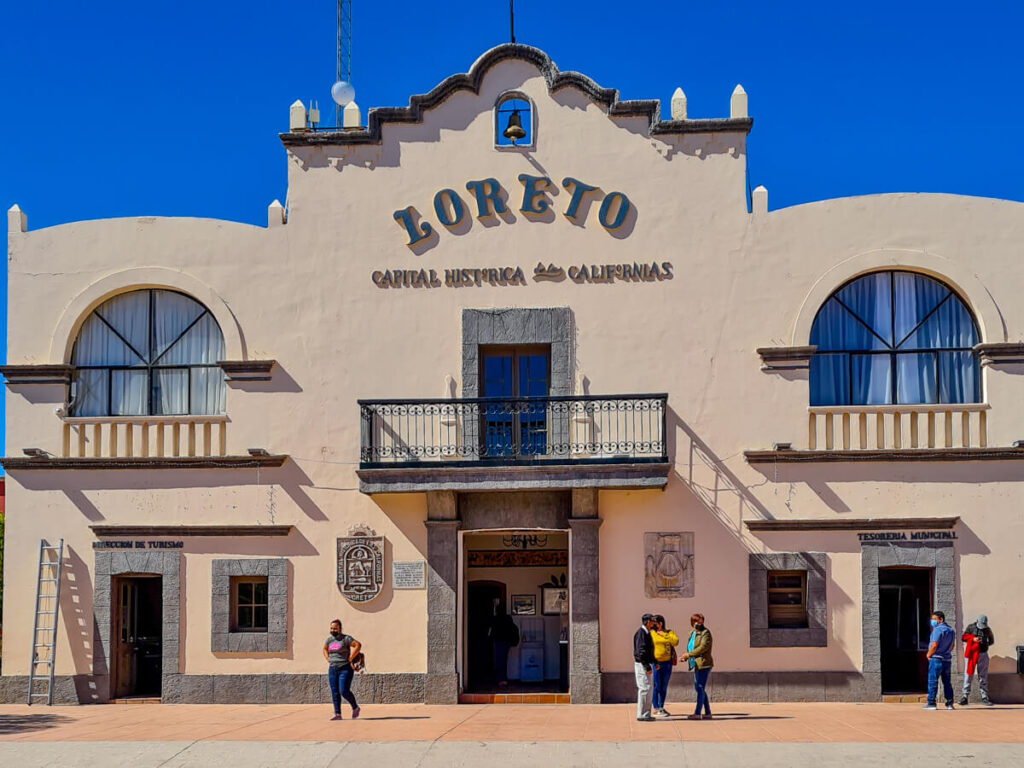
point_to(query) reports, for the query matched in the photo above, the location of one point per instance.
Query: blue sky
(158, 108)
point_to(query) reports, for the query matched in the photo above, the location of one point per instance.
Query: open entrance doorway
(137, 636)
(904, 608)
(516, 612)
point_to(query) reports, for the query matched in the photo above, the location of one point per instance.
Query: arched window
(513, 111)
(148, 352)
(894, 337)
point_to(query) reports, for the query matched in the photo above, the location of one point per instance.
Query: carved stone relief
(361, 564)
(668, 564)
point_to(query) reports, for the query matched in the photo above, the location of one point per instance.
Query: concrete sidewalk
(504, 754)
(447, 754)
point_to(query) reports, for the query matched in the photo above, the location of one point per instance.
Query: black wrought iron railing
(523, 430)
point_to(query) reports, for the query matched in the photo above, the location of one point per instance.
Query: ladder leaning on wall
(44, 624)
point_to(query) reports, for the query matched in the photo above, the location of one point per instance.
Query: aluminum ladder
(45, 621)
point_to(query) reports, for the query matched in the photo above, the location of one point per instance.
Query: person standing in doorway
(643, 667)
(978, 638)
(940, 660)
(504, 637)
(665, 641)
(698, 656)
(339, 650)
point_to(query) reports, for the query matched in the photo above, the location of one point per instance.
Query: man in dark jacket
(505, 636)
(977, 639)
(643, 661)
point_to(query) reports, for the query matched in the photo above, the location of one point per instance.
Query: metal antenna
(344, 69)
(512, 21)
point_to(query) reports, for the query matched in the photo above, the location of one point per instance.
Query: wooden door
(137, 641)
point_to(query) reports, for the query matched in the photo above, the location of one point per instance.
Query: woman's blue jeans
(662, 672)
(340, 680)
(700, 680)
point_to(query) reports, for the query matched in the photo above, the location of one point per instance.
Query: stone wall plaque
(668, 564)
(360, 564)
(408, 575)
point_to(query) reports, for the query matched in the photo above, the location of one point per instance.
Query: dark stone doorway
(482, 599)
(904, 608)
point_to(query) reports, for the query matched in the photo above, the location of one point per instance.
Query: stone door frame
(110, 564)
(938, 555)
(461, 650)
(444, 584)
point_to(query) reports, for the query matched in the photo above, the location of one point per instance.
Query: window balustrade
(897, 427)
(144, 436)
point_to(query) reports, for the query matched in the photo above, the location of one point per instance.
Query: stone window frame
(550, 326)
(275, 639)
(815, 634)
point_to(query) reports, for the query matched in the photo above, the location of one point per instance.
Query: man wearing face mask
(940, 660)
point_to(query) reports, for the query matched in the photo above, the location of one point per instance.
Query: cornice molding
(17, 463)
(1000, 353)
(886, 455)
(774, 359)
(650, 109)
(247, 370)
(863, 524)
(190, 530)
(36, 374)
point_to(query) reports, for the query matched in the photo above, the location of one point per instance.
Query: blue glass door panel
(510, 425)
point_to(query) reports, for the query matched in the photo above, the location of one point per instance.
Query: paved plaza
(765, 735)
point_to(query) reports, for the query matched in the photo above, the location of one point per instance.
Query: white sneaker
(662, 713)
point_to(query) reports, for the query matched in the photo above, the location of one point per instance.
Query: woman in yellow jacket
(665, 641)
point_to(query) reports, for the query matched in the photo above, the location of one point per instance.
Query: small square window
(787, 599)
(249, 604)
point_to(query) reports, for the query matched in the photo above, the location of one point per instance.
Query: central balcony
(584, 441)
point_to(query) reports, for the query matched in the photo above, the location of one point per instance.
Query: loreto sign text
(487, 199)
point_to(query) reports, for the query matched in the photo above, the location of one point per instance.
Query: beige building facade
(577, 377)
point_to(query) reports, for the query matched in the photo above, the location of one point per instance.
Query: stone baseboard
(756, 686)
(400, 688)
(411, 688)
(67, 689)
(1004, 687)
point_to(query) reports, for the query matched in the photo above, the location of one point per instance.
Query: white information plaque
(408, 575)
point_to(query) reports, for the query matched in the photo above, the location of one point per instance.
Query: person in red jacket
(977, 639)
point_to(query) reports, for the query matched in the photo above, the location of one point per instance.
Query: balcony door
(513, 426)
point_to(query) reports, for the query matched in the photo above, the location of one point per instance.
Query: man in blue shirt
(940, 660)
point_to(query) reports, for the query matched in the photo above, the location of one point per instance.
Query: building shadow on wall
(817, 475)
(289, 477)
(76, 592)
(280, 381)
(710, 481)
(731, 502)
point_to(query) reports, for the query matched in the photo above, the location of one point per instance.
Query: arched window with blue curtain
(148, 352)
(894, 337)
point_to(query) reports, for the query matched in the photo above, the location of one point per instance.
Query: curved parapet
(608, 98)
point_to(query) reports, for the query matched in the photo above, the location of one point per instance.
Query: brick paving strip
(763, 735)
(783, 722)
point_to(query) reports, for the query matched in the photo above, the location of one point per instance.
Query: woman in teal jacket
(698, 655)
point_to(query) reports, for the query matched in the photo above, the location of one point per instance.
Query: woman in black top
(339, 650)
